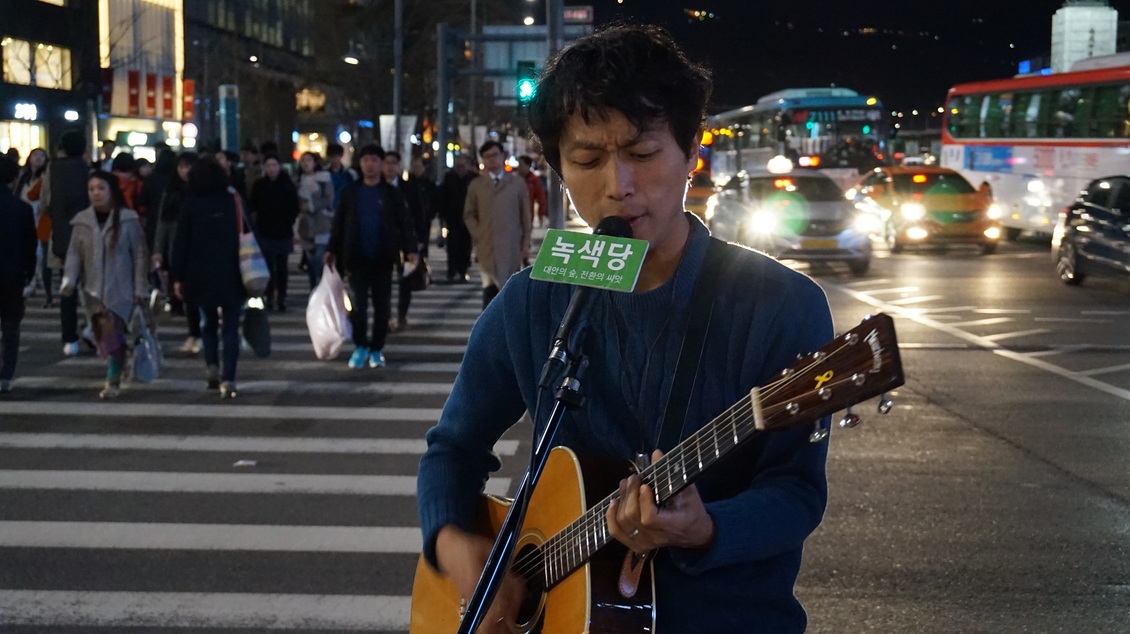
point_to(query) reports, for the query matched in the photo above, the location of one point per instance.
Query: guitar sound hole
(530, 612)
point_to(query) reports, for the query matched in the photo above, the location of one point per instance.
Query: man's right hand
(462, 557)
(329, 259)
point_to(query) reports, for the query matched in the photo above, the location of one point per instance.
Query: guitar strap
(714, 266)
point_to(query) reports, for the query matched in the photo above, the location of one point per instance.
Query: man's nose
(622, 182)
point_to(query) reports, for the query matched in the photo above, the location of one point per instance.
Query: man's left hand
(635, 520)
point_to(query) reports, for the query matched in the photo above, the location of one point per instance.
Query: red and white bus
(1037, 141)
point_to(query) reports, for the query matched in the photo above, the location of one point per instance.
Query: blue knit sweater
(765, 314)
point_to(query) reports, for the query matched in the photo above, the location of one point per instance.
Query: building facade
(245, 60)
(141, 54)
(49, 51)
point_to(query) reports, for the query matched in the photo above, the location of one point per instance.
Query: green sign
(592, 260)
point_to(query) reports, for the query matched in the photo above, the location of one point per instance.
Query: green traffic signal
(527, 85)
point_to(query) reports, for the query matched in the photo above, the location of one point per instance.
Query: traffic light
(527, 85)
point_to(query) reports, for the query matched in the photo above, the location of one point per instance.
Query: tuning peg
(850, 419)
(885, 404)
(819, 433)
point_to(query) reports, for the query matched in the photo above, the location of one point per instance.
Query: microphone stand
(565, 353)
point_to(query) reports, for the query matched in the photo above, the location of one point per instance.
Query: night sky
(919, 48)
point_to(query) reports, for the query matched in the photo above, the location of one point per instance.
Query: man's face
(222, 159)
(371, 166)
(610, 169)
(462, 164)
(523, 169)
(493, 159)
(335, 160)
(249, 157)
(417, 166)
(182, 171)
(391, 169)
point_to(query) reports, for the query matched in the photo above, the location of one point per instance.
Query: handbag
(420, 278)
(252, 265)
(257, 329)
(146, 356)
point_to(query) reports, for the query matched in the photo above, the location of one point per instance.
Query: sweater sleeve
(484, 402)
(784, 502)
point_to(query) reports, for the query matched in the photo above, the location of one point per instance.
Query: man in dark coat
(371, 228)
(452, 192)
(65, 197)
(17, 268)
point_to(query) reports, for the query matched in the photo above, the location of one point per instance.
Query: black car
(1093, 234)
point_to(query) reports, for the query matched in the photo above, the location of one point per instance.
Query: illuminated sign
(577, 15)
(26, 111)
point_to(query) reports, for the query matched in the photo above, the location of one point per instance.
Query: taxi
(920, 205)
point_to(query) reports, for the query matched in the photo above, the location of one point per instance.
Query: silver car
(801, 215)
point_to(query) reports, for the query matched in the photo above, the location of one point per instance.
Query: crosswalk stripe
(172, 362)
(410, 446)
(162, 536)
(307, 347)
(246, 387)
(228, 610)
(184, 482)
(271, 413)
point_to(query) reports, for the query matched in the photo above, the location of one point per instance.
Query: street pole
(471, 80)
(397, 71)
(554, 15)
(442, 96)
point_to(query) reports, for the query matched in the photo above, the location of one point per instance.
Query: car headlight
(763, 222)
(913, 211)
(867, 223)
(995, 212)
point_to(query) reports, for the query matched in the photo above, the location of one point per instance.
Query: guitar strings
(556, 550)
(594, 517)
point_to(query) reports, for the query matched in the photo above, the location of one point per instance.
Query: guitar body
(590, 599)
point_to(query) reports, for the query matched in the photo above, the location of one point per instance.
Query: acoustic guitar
(578, 578)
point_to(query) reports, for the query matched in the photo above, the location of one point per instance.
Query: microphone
(582, 297)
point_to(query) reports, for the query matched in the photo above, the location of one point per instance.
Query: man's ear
(692, 158)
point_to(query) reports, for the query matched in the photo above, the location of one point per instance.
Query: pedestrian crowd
(132, 237)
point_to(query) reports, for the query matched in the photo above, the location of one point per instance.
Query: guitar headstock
(855, 366)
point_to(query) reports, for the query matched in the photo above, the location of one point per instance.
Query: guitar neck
(574, 546)
(857, 365)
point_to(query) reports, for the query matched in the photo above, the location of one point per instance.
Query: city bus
(834, 129)
(1034, 142)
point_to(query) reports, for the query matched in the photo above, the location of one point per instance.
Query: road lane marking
(337, 367)
(946, 309)
(985, 343)
(185, 482)
(917, 300)
(1001, 311)
(1019, 333)
(990, 321)
(162, 536)
(1072, 320)
(229, 610)
(271, 413)
(343, 388)
(219, 444)
(900, 289)
(406, 349)
(1107, 370)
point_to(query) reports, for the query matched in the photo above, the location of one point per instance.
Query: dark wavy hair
(637, 70)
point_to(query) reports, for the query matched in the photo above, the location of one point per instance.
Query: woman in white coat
(106, 259)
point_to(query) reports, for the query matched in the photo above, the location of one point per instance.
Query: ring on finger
(634, 533)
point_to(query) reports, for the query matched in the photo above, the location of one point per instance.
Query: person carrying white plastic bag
(327, 316)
